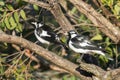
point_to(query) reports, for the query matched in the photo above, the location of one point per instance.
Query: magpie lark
(81, 44)
(44, 33)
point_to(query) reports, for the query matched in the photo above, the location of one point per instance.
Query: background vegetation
(20, 63)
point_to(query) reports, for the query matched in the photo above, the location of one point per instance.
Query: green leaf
(97, 37)
(23, 15)
(107, 41)
(6, 21)
(115, 51)
(1, 9)
(73, 78)
(4, 15)
(2, 3)
(108, 49)
(16, 16)
(110, 2)
(2, 25)
(10, 7)
(117, 9)
(74, 9)
(64, 78)
(103, 58)
(36, 7)
(63, 39)
(12, 22)
(19, 28)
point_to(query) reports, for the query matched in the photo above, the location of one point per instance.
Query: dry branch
(97, 72)
(50, 56)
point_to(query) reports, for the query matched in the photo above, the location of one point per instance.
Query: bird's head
(37, 24)
(72, 33)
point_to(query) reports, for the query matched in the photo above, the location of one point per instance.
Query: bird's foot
(79, 60)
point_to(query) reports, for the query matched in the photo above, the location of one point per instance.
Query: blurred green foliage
(10, 16)
(15, 15)
(114, 6)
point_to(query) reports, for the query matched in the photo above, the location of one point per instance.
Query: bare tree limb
(97, 72)
(39, 3)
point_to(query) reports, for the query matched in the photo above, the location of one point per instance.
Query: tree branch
(50, 56)
(97, 72)
(59, 16)
(39, 3)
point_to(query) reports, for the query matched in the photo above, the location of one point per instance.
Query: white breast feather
(40, 39)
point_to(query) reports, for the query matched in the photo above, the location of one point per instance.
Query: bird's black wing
(83, 43)
(51, 37)
(47, 28)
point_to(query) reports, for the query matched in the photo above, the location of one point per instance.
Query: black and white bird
(81, 44)
(44, 33)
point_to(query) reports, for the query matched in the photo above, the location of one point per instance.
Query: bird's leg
(36, 42)
(80, 59)
(47, 47)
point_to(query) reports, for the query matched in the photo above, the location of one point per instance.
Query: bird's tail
(104, 53)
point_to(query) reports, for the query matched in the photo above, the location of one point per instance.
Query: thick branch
(50, 56)
(59, 16)
(104, 25)
(39, 3)
(59, 61)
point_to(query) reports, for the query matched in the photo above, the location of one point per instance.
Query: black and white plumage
(45, 34)
(81, 44)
